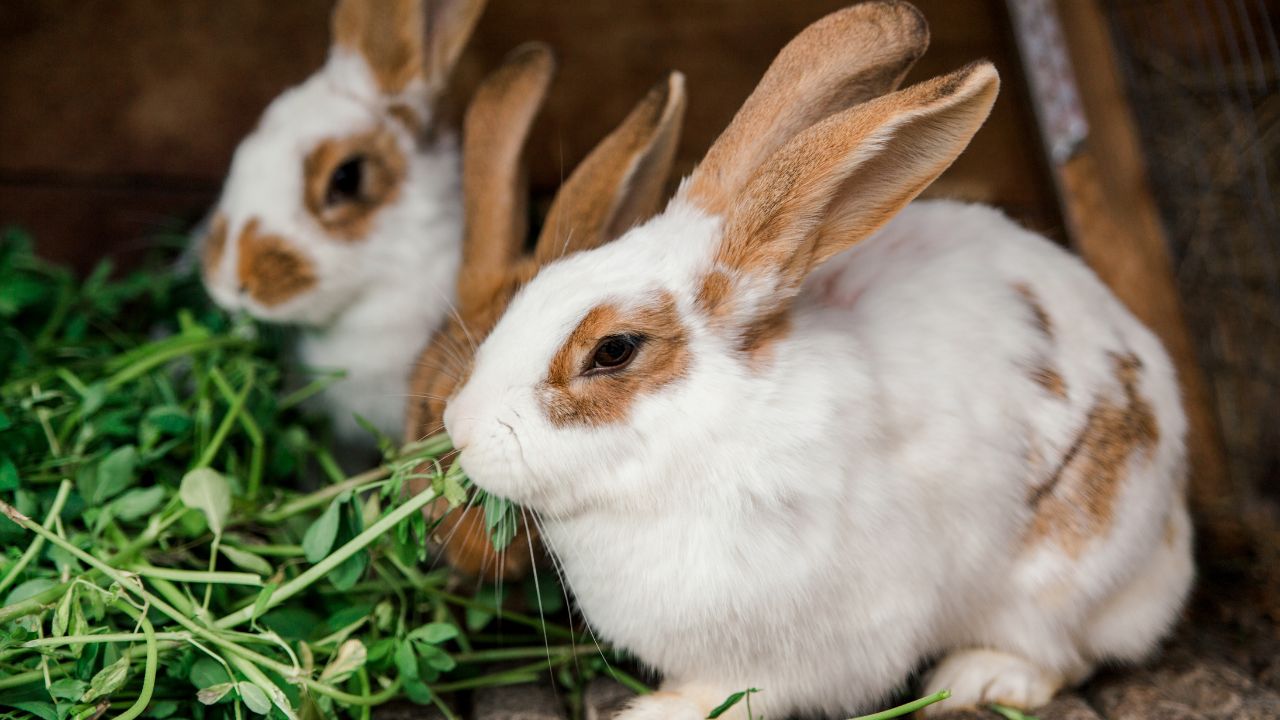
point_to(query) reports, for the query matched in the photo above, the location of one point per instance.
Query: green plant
(155, 549)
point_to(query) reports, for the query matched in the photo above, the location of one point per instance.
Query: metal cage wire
(1204, 79)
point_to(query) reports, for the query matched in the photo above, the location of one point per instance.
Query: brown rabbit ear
(406, 40)
(842, 179)
(848, 57)
(449, 26)
(620, 182)
(493, 187)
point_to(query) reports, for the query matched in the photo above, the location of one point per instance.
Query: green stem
(284, 551)
(198, 576)
(514, 676)
(228, 420)
(149, 669)
(515, 617)
(519, 653)
(205, 633)
(327, 565)
(37, 544)
(910, 707)
(322, 496)
(102, 638)
(170, 351)
(629, 681)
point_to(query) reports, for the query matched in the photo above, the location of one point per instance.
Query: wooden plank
(1113, 221)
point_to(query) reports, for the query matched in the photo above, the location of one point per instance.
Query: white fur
(822, 523)
(378, 298)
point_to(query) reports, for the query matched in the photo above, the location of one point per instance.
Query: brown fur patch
(215, 244)
(389, 34)
(1077, 502)
(1051, 380)
(408, 117)
(383, 173)
(1041, 318)
(714, 293)
(269, 268)
(569, 398)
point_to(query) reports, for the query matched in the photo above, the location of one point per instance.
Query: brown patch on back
(389, 34)
(270, 269)
(569, 398)
(383, 173)
(215, 244)
(1042, 321)
(1043, 373)
(1051, 380)
(1077, 502)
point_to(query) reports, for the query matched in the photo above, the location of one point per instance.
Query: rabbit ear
(493, 187)
(841, 179)
(449, 26)
(848, 57)
(406, 40)
(621, 182)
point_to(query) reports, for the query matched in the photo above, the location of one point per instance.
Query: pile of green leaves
(156, 558)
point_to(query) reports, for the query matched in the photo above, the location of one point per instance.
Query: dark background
(120, 116)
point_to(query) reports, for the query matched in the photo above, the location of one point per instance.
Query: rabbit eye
(346, 181)
(613, 353)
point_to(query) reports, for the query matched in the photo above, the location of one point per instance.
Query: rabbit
(794, 433)
(342, 210)
(618, 184)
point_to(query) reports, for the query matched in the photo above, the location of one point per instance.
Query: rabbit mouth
(494, 460)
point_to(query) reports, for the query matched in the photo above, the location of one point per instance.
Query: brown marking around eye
(1077, 502)
(270, 269)
(215, 243)
(570, 399)
(383, 173)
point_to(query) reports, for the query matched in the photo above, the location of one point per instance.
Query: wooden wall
(119, 116)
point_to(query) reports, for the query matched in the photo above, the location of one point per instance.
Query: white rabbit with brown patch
(620, 183)
(342, 211)
(796, 434)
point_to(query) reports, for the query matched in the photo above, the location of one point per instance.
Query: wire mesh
(1204, 78)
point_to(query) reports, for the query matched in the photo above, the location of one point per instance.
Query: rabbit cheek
(270, 270)
(570, 399)
(214, 245)
(383, 171)
(1077, 502)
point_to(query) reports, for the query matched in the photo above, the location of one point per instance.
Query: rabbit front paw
(981, 677)
(661, 706)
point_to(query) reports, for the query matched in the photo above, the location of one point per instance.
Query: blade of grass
(906, 708)
(37, 543)
(336, 558)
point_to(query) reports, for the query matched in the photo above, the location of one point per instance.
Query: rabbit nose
(460, 429)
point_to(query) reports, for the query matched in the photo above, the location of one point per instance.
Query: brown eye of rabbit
(345, 182)
(613, 353)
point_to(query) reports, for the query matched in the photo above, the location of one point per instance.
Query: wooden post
(1114, 223)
